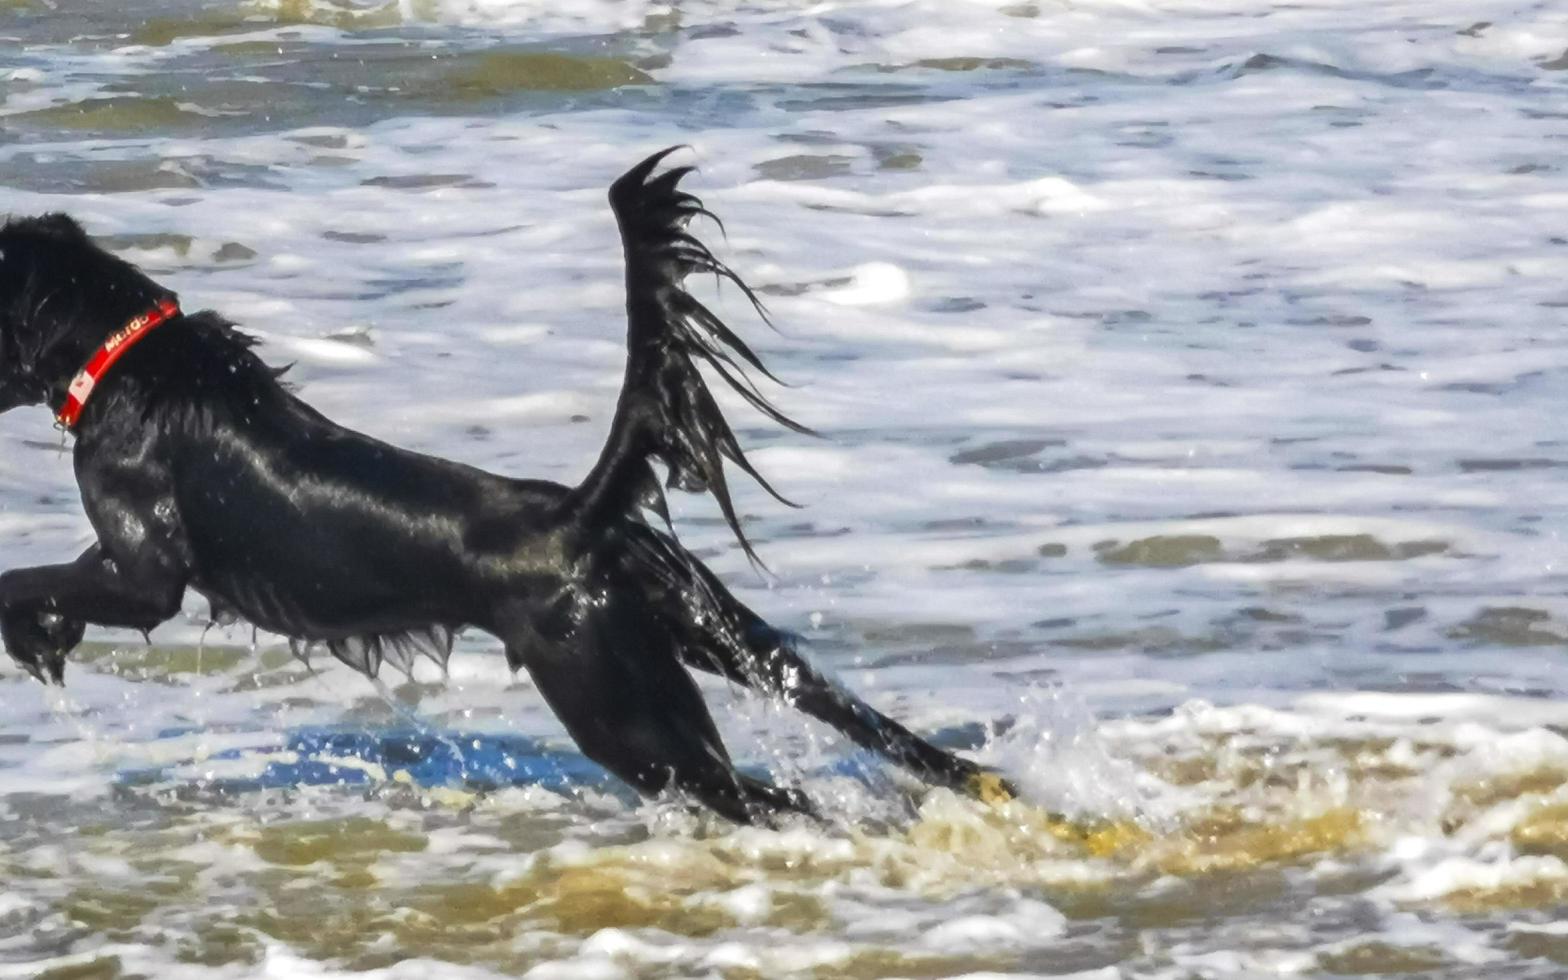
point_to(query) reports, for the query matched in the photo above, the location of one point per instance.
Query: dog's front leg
(44, 610)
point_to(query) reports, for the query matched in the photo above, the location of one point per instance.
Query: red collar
(111, 350)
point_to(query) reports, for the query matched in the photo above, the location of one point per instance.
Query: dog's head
(60, 296)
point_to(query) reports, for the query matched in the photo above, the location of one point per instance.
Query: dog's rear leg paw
(988, 786)
(766, 803)
(980, 782)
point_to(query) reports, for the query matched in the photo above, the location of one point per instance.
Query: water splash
(1052, 746)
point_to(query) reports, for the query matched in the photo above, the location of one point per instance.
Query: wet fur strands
(199, 469)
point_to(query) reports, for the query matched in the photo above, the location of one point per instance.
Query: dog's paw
(991, 788)
(39, 665)
(39, 641)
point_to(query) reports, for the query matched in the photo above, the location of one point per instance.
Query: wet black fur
(199, 469)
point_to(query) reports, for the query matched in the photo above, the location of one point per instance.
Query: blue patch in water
(459, 759)
(472, 761)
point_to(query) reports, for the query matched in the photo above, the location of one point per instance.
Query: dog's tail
(666, 411)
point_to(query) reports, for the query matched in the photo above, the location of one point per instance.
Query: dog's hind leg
(766, 659)
(717, 633)
(616, 685)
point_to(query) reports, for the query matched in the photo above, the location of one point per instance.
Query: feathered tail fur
(666, 411)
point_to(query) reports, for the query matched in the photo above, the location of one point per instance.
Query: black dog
(198, 468)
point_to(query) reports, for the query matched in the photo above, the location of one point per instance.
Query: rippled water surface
(1191, 372)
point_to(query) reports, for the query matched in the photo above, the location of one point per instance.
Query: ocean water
(1191, 378)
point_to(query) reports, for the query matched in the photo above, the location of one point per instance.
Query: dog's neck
(62, 363)
(115, 346)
